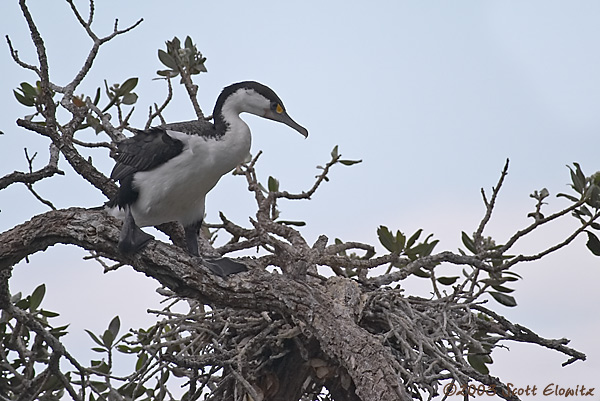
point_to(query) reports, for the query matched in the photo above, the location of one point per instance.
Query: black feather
(144, 151)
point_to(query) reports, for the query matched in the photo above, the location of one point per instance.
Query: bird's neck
(231, 103)
(226, 116)
(230, 124)
(235, 138)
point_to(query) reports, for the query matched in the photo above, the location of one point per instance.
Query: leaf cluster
(177, 58)
(588, 190)
(23, 352)
(399, 245)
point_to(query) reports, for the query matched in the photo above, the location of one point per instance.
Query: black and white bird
(166, 171)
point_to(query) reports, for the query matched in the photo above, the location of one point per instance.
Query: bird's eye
(277, 108)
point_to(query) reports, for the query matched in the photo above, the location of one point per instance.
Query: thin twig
(538, 222)
(477, 237)
(158, 110)
(15, 56)
(567, 241)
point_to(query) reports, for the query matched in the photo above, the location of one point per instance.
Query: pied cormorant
(166, 171)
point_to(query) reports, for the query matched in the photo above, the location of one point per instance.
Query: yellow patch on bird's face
(279, 109)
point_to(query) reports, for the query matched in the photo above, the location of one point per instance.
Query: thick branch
(428, 261)
(328, 319)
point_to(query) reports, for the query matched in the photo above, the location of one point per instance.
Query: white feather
(176, 190)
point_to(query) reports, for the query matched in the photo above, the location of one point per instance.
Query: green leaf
(400, 240)
(593, 243)
(577, 178)
(167, 73)
(114, 326)
(273, 184)
(94, 337)
(423, 249)
(421, 273)
(129, 99)
(387, 239)
(94, 123)
(127, 86)
(127, 349)
(100, 366)
(48, 313)
(99, 386)
(447, 280)
(189, 44)
(98, 349)
(512, 274)
(108, 338)
(97, 97)
(593, 194)
(36, 297)
(413, 238)
(166, 59)
(59, 331)
(334, 152)
(127, 390)
(24, 100)
(585, 211)
(349, 162)
(141, 361)
(477, 362)
(28, 90)
(501, 288)
(428, 247)
(175, 43)
(503, 299)
(468, 242)
(23, 303)
(569, 197)
(164, 377)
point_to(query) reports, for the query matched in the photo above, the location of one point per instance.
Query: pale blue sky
(433, 96)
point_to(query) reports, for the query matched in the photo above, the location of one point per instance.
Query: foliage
(321, 310)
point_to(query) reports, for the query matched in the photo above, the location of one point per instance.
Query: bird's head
(252, 97)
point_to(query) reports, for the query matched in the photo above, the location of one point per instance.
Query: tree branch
(477, 237)
(258, 290)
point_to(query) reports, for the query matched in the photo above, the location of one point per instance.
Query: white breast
(175, 191)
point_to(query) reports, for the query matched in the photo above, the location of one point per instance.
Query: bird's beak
(283, 117)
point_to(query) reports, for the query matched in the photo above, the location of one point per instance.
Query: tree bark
(326, 312)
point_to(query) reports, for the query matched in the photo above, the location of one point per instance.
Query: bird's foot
(223, 267)
(133, 239)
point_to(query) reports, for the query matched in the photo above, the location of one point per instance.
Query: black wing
(144, 151)
(147, 150)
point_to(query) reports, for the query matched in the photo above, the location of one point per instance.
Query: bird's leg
(132, 238)
(218, 265)
(191, 237)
